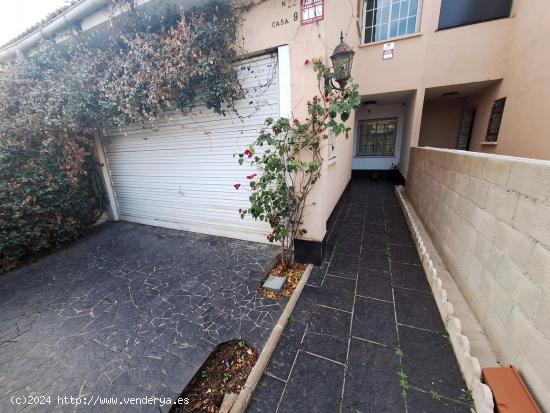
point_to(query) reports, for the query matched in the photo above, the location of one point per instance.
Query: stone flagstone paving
(366, 314)
(129, 311)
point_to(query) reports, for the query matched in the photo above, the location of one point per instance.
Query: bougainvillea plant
(54, 102)
(288, 156)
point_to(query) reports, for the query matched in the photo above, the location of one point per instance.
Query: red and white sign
(312, 11)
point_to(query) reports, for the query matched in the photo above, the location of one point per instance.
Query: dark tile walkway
(130, 311)
(366, 315)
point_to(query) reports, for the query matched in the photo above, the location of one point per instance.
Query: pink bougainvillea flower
(240, 210)
(237, 186)
(248, 153)
(251, 176)
(306, 62)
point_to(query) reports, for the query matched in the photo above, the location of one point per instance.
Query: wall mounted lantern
(342, 60)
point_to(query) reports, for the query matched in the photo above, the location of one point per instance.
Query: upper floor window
(456, 13)
(495, 120)
(385, 19)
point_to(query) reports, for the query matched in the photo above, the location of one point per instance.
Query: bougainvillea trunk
(288, 155)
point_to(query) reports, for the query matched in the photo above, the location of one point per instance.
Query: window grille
(377, 137)
(495, 120)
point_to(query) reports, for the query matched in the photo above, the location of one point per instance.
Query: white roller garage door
(182, 175)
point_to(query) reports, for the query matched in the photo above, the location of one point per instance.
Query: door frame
(106, 175)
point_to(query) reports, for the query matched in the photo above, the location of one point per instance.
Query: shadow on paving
(366, 315)
(129, 311)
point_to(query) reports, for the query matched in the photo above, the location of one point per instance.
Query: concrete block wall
(489, 218)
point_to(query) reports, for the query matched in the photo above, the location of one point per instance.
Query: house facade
(446, 74)
(442, 73)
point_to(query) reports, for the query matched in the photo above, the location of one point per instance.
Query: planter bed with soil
(224, 372)
(292, 274)
(227, 369)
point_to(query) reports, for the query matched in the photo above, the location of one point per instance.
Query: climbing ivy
(54, 102)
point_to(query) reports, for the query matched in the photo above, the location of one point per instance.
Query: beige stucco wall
(526, 85)
(441, 123)
(482, 102)
(513, 49)
(435, 58)
(262, 30)
(411, 132)
(521, 59)
(489, 218)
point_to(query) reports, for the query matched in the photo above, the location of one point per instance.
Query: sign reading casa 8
(312, 11)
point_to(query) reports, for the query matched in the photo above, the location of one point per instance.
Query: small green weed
(403, 383)
(435, 395)
(466, 397)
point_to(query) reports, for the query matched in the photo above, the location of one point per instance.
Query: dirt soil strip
(244, 397)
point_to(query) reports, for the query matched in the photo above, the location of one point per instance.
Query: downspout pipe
(70, 16)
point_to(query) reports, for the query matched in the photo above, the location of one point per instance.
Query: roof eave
(72, 15)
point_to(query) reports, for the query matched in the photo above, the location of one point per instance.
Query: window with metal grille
(377, 137)
(386, 19)
(495, 120)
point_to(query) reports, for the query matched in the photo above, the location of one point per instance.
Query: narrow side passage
(366, 334)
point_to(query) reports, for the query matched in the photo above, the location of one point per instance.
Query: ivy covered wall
(52, 104)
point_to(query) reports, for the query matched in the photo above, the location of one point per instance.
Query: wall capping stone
(542, 162)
